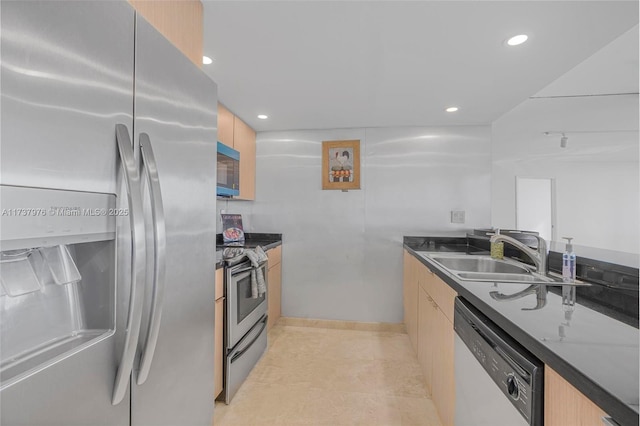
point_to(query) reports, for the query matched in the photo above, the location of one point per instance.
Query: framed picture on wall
(341, 164)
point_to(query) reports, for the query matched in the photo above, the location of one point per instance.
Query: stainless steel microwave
(228, 171)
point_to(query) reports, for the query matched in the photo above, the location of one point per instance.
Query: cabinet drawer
(275, 256)
(444, 296)
(426, 278)
(439, 291)
(219, 283)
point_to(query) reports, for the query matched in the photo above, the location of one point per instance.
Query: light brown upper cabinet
(235, 133)
(244, 141)
(180, 21)
(225, 126)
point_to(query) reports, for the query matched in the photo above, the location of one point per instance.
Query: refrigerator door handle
(159, 256)
(131, 177)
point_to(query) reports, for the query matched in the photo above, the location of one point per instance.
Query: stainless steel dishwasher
(498, 382)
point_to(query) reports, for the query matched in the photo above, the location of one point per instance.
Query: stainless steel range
(246, 325)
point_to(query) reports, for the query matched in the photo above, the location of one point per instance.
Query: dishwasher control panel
(513, 369)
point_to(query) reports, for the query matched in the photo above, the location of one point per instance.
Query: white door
(535, 206)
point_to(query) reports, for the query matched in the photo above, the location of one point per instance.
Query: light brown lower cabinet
(444, 391)
(427, 314)
(274, 286)
(218, 371)
(564, 405)
(432, 300)
(219, 347)
(410, 297)
(274, 294)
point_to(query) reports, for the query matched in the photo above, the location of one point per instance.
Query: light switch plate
(457, 216)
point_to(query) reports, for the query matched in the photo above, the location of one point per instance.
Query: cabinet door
(410, 298)
(426, 279)
(275, 256)
(219, 283)
(225, 126)
(444, 296)
(407, 272)
(427, 336)
(179, 21)
(219, 347)
(443, 394)
(564, 405)
(244, 141)
(274, 294)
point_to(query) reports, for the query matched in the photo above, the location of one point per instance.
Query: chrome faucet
(540, 290)
(539, 257)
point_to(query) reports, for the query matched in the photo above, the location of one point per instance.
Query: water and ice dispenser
(57, 275)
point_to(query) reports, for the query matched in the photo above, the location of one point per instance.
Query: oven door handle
(248, 268)
(246, 347)
(239, 271)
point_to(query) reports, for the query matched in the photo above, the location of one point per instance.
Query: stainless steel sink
(480, 264)
(528, 277)
(483, 268)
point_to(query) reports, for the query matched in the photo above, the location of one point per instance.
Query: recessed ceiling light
(262, 117)
(516, 40)
(207, 60)
(451, 109)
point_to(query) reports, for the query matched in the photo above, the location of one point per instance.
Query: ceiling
(595, 105)
(611, 70)
(319, 64)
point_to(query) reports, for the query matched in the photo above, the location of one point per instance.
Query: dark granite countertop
(597, 354)
(252, 240)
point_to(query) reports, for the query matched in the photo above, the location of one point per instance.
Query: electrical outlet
(457, 216)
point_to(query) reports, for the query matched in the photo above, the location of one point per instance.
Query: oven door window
(246, 304)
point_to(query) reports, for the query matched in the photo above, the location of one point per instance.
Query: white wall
(342, 253)
(596, 175)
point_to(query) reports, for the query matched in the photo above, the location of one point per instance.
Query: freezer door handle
(159, 256)
(131, 177)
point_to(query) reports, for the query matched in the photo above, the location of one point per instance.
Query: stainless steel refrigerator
(107, 233)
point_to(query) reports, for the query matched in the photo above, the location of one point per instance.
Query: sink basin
(480, 264)
(488, 276)
(483, 268)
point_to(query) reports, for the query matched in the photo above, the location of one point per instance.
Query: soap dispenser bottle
(497, 249)
(568, 263)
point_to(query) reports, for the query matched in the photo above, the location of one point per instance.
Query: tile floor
(318, 376)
